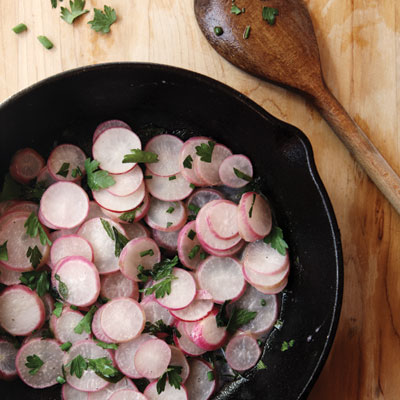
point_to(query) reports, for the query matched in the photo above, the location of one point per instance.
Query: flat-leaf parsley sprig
(102, 20)
(97, 179)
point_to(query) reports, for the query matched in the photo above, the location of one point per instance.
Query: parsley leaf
(242, 175)
(161, 330)
(269, 14)
(235, 9)
(187, 162)
(34, 256)
(65, 346)
(221, 318)
(104, 368)
(97, 179)
(62, 287)
(170, 210)
(261, 365)
(34, 363)
(108, 229)
(4, 252)
(193, 208)
(58, 307)
(34, 227)
(64, 169)
(286, 345)
(61, 380)
(174, 378)
(76, 11)
(145, 253)
(191, 235)
(140, 156)
(103, 20)
(204, 151)
(252, 205)
(239, 318)
(162, 288)
(275, 238)
(194, 252)
(120, 241)
(54, 3)
(77, 365)
(36, 280)
(129, 216)
(104, 345)
(85, 324)
(164, 268)
(210, 376)
(76, 171)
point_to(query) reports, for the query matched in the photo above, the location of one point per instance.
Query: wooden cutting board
(360, 50)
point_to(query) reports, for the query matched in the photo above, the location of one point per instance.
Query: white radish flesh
(166, 215)
(70, 245)
(167, 189)
(201, 197)
(135, 230)
(270, 280)
(227, 173)
(122, 319)
(45, 177)
(117, 285)
(70, 393)
(178, 359)
(222, 277)
(167, 147)
(112, 145)
(8, 354)
(152, 358)
(185, 343)
(126, 183)
(155, 312)
(112, 123)
(199, 386)
(272, 289)
(105, 394)
(198, 309)
(97, 329)
(8, 276)
(63, 327)
(223, 253)
(187, 241)
(242, 352)
(244, 229)
(52, 356)
(170, 392)
(95, 211)
(222, 219)
(166, 240)
(26, 165)
(64, 205)
(127, 394)
(27, 206)
(21, 310)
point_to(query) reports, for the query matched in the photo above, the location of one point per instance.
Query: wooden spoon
(286, 54)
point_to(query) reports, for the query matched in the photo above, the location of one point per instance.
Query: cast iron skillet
(67, 108)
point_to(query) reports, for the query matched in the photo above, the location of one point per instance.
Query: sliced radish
(89, 382)
(125, 356)
(81, 278)
(103, 246)
(26, 165)
(21, 310)
(266, 307)
(117, 285)
(242, 352)
(244, 229)
(105, 394)
(28, 206)
(167, 147)
(222, 219)
(166, 215)
(126, 183)
(9, 216)
(227, 170)
(96, 327)
(155, 312)
(5, 205)
(199, 386)
(198, 309)
(127, 394)
(142, 251)
(95, 211)
(111, 146)
(112, 123)
(45, 177)
(187, 242)
(224, 253)
(152, 358)
(8, 354)
(8, 276)
(48, 302)
(201, 197)
(135, 230)
(66, 154)
(222, 277)
(166, 240)
(64, 205)
(63, 327)
(185, 343)
(277, 288)
(170, 392)
(209, 171)
(271, 280)
(70, 245)
(183, 290)
(70, 393)
(122, 319)
(62, 232)
(167, 188)
(179, 359)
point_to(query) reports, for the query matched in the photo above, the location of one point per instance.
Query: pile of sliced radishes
(122, 310)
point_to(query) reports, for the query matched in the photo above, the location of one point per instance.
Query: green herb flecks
(145, 253)
(238, 318)
(45, 42)
(193, 208)
(246, 35)
(20, 28)
(169, 224)
(97, 179)
(269, 14)
(275, 239)
(187, 162)
(36, 280)
(115, 235)
(77, 366)
(204, 151)
(35, 256)
(210, 376)
(252, 205)
(34, 363)
(218, 30)
(77, 9)
(75, 172)
(66, 346)
(193, 252)
(58, 308)
(170, 210)
(140, 156)
(161, 330)
(104, 345)
(34, 228)
(174, 378)
(4, 252)
(287, 345)
(129, 216)
(62, 287)
(64, 169)
(263, 302)
(85, 324)
(242, 175)
(191, 235)
(261, 365)
(192, 186)
(103, 20)
(235, 9)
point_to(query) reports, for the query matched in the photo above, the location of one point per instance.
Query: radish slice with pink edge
(89, 382)
(272, 289)
(118, 203)
(49, 352)
(189, 150)
(70, 245)
(166, 215)
(70, 393)
(21, 310)
(199, 386)
(206, 334)
(141, 251)
(28, 206)
(14, 232)
(127, 394)
(209, 171)
(183, 290)
(48, 302)
(222, 219)
(242, 352)
(63, 326)
(198, 309)
(62, 232)
(112, 145)
(136, 230)
(152, 358)
(224, 253)
(66, 154)
(95, 211)
(167, 147)
(8, 354)
(117, 285)
(112, 123)
(5, 205)
(8, 276)
(122, 319)
(244, 229)
(185, 343)
(168, 188)
(125, 356)
(271, 280)
(222, 277)
(103, 246)
(178, 359)
(126, 183)
(45, 177)
(266, 307)
(10, 216)
(80, 277)
(200, 198)
(187, 242)
(97, 329)
(166, 240)
(64, 205)
(170, 392)
(227, 170)
(155, 312)
(105, 393)
(25, 165)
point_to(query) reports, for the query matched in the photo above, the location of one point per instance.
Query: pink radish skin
(222, 219)
(155, 312)
(127, 183)
(97, 329)
(183, 291)
(179, 359)
(195, 311)
(272, 280)
(5, 205)
(242, 352)
(8, 276)
(200, 197)
(81, 278)
(122, 319)
(70, 154)
(45, 222)
(136, 230)
(64, 205)
(244, 230)
(130, 257)
(272, 289)
(158, 217)
(224, 253)
(95, 211)
(62, 232)
(111, 146)
(167, 147)
(166, 240)
(185, 343)
(52, 356)
(170, 393)
(8, 354)
(48, 302)
(27, 206)
(70, 393)
(152, 358)
(70, 245)
(26, 165)
(127, 394)
(9, 216)
(63, 327)
(21, 310)
(198, 386)
(105, 394)
(125, 356)
(227, 173)
(45, 177)
(112, 123)
(117, 285)
(185, 246)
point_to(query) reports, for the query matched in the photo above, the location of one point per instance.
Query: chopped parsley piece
(120, 241)
(252, 205)
(62, 287)
(195, 209)
(85, 324)
(104, 345)
(104, 368)
(191, 235)
(36, 280)
(278, 324)
(286, 345)
(275, 238)
(103, 20)
(34, 256)
(4, 252)
(160, 329)
(204, 151)
(210, 376)
(170, 210)
(77, 9)
(60, 380)
(77, 365)
(148, 177)
(46, 43)
(162, 288)
(97, 179)
(54, 3)
(172, 178)
(129, 216)
(58, 307)
(143, 274)
(73, 308)
(65, 346)
(140, 156)
(194, 251)
(261, 365)
(235, 9)
(192, 186)
(145, 253)
(203, 255)
(239, 318)
(187, 162)
(107, 228)
(169, 224)
(20, 28)
(75, 172)
(34, 363)
(34, 227)
(246, 35)
(218, 30)
(242, 175)
(263, 302)
(269, 14)
(64, 169)
(174, 378)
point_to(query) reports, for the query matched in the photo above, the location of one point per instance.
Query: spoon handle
(357, 142)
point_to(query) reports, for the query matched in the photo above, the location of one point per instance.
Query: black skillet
(154, 98)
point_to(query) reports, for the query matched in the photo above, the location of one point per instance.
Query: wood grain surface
(359, 43)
